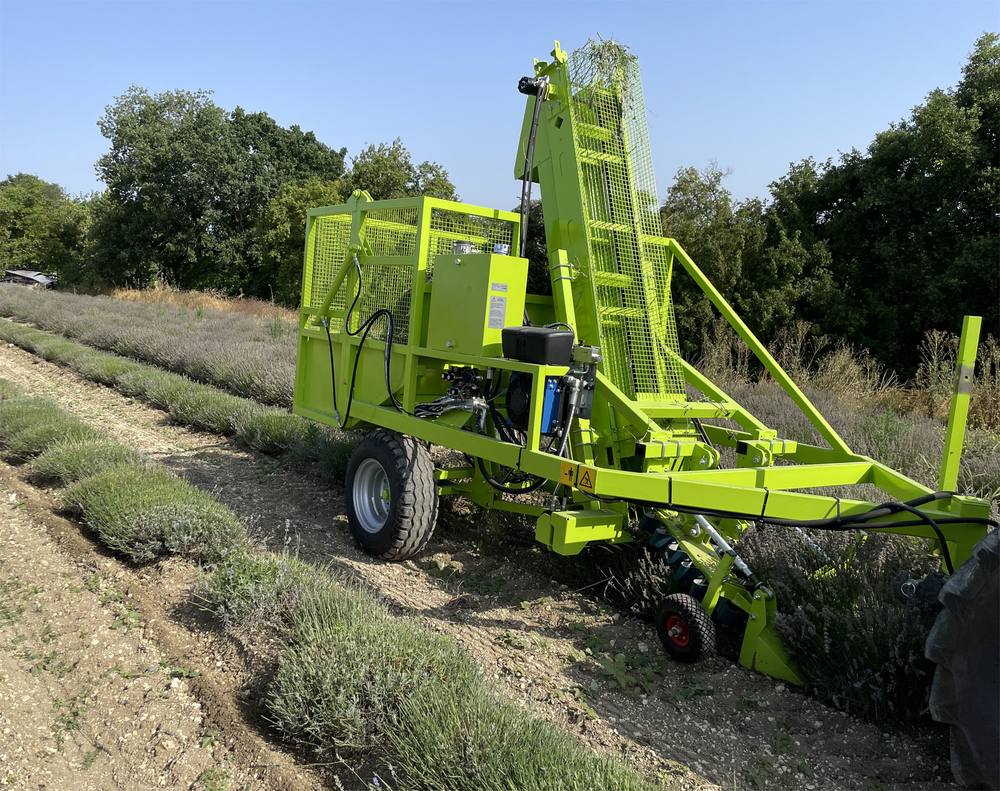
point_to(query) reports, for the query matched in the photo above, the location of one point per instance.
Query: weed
(68, 714)
(213, 779)
(89, 759)
(127, 619)
(178, 671)
(692, 691)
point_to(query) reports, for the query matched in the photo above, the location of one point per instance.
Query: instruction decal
(498, 313)
(567, 473)
(586, 478)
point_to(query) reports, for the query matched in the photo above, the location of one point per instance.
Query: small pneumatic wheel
(391, 495)
(685, 628)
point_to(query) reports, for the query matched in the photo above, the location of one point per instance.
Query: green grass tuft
(8, 390)
(72, 460)
(457, 739)
(352, 701)
(144, 512)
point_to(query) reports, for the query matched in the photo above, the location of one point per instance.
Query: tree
(387, 171)
(282, 233)
(41, 228)
(188, 184)
(911, 223)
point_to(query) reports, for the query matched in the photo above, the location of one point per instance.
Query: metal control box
(473, 297)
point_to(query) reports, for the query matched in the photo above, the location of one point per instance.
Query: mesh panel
(386, 232)
(629, 268)
(451, 227)
(333, 233)
(390, 232)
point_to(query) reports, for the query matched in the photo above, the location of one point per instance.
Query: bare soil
(97, 691)
(551, 648)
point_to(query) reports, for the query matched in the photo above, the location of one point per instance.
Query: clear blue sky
(751, 85)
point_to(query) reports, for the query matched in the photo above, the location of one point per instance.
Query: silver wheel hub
(371, 495)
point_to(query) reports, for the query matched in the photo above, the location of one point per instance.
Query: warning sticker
(567, 473)
(498, 287)
(586, 478)
(498, 313)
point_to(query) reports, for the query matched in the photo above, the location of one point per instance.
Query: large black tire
(965, 645)
(685, 628)
(391, 495)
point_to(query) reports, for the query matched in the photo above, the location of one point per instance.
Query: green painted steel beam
(746, 334)
(959, 412)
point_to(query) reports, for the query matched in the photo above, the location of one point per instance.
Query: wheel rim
(677, 631)
(371, 496)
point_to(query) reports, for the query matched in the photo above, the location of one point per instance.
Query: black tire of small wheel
(685, 611)
(413, 499)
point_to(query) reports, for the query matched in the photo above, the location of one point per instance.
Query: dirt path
(89, 698)
(553, 649)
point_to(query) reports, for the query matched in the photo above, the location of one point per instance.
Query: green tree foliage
(386, 171)
(41, 228)
(188, 184)
(911, 224)
(282, 232)
(764, 269)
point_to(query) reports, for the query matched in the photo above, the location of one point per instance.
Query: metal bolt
(450, 344)
(758, 459)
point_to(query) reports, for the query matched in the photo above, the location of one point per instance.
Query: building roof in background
(29, 274)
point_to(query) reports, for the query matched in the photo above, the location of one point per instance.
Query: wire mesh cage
(629, 267)
(390, 256)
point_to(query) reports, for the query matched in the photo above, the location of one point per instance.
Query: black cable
(363, 329)
(501, 487)
(333, 378)
(529, 165)
(864, 521)
(529, 161)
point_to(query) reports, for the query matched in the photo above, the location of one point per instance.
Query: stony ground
(574, 660)
(90, 697)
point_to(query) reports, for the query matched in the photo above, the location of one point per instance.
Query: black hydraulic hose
(539, 88)
(363, 329)
(502, 487)
(865, 521)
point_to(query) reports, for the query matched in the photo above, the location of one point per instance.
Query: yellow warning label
(567, 473)
(586, 478)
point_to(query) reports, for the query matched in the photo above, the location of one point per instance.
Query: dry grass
(162, 294)
(855, 378)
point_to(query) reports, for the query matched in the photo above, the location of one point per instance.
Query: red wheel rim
(677, 631)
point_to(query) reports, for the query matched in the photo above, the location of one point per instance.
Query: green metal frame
(637, 448)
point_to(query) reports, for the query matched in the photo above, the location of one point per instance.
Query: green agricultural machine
(577, 410)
